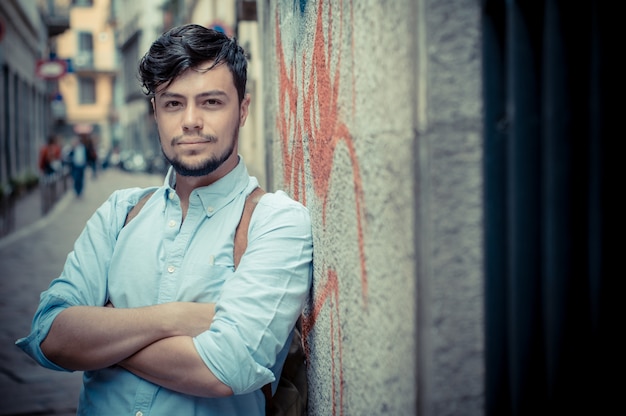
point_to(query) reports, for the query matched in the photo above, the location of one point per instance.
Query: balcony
(83, 61)
(55, 16)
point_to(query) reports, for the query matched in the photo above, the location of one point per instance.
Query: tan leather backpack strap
(135, 210)
(241, 233)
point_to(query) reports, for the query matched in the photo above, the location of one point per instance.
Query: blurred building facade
(27, 83)
(137, 24)
(87, 89)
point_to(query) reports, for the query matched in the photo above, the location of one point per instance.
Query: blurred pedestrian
(50, 156)
(92, 155)
(77, 157)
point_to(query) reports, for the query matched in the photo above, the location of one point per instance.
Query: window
(84, 56)
(86, 90)
(82, 3)
(85, 42)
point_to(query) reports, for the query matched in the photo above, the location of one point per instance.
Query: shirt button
(139, 413)
(171, 269)
(172, 223)
(210, 209)
(171, 195)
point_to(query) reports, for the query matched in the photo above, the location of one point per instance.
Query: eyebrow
(211, 93)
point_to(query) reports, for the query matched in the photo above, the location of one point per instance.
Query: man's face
(198, 117)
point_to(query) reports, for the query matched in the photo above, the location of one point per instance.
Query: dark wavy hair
(188, 46)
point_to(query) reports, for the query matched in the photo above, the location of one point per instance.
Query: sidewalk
(30, 257)
(28, 211)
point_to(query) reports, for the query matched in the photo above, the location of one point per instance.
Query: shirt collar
(213, 197)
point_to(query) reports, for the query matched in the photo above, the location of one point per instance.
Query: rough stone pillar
(373, 115)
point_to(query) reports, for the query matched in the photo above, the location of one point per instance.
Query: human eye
(212, 102)
(173, 104)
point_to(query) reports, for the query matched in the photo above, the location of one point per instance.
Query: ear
(153, 107)
(243, 110)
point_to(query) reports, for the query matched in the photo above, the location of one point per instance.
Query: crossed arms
(152, 342)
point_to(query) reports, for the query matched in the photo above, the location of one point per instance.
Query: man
(153, 311)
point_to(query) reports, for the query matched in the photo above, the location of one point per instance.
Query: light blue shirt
(156, 259)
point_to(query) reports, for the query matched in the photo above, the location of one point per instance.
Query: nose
(192, 119)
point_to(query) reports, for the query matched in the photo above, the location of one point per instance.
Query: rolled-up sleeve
(49, 308)
(260, 303)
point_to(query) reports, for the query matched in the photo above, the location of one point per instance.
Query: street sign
(50, 68)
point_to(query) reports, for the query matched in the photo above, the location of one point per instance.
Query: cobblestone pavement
(30, 257)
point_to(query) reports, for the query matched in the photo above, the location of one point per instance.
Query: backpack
(291, 394)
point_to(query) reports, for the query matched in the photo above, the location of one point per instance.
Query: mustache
(184, 138)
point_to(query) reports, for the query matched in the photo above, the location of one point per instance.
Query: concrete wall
(449, 191)
(373, 118)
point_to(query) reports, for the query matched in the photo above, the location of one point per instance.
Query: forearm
(174, 363)
(89, 338)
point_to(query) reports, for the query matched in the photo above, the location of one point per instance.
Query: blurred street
(31, 256)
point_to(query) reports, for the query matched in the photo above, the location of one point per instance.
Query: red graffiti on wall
(321, 127)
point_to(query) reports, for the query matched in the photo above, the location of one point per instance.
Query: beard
(203, 167)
